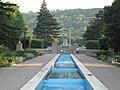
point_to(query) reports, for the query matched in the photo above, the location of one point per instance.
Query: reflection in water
(65, 65)
(64, 75)
(64, 88)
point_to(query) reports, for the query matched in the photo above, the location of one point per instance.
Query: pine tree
(47, 27)
(95, 28)
(112, 24)
(12, 24)
(5, 29)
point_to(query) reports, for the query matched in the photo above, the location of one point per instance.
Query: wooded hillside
(75, 20)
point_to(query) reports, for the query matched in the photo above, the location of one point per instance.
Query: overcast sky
(34, 5)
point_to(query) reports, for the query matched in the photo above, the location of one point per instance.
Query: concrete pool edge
(93, 81)
(32, 84)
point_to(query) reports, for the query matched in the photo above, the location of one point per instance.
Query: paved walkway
(13, 78)
(109, 75)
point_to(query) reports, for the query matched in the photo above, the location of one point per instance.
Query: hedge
(92, 44)
(36, 43)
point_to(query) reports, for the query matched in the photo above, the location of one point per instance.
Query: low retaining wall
(81, 51)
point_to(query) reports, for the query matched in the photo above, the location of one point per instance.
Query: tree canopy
(47, 27)
(75, 20)
(112, 24)
(107, 26)
(95, 28)
(12, 24)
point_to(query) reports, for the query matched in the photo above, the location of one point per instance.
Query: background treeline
(75, 20)
(105, 28)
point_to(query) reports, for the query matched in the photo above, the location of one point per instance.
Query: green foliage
(75, 20)
(19, 53)
(3, 61)
(107, 24)
(117, 57)
(3, 49)
(112, 25)
(102, 52)
(103, 43)
(26, 41)
(10, 56)
(47, 27)
(92, 44)
(107, 57)
(23, 53)
(32, 51)
(30, 19)
(36, 43)
(95, 28)
(12, 24)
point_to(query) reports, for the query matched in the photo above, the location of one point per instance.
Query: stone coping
(93, 81)
(32, 84)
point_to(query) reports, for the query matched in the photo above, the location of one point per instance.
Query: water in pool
(64, 73)
(64, 88)
(65, 76)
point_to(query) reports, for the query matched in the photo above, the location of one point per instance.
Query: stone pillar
(19, 46)
(111, 50)
(54, 47)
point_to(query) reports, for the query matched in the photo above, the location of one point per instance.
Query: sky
(34, 5)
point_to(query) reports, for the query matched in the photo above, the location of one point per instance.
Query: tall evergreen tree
(95, 28)
(47, 27)
(5, 29)
(112, 24)
(12, 24)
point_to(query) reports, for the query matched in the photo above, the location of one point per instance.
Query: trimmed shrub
(92, 44)
(103, 52)
(32, 51)
(36, 43)
(103, 43)
(22, 53)
(27, 54)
